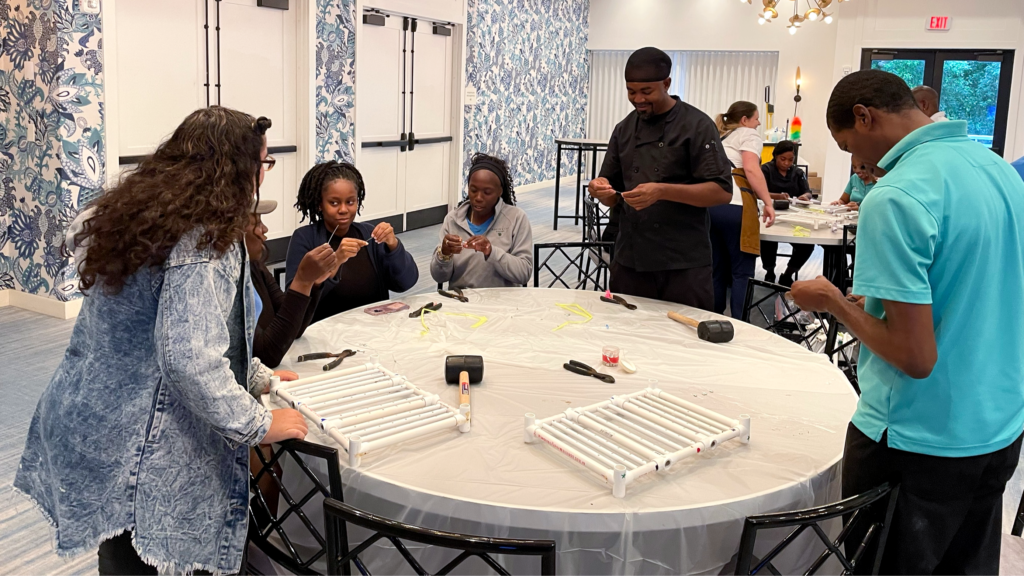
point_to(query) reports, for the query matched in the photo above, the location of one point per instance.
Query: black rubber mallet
(717, 331)
(454, 365)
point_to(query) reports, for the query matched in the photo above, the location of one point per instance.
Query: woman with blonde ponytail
(735, 230)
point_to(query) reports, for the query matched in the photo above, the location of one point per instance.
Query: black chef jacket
(793, 183)
(680, 146)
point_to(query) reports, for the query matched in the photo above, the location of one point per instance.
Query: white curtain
(711, 81)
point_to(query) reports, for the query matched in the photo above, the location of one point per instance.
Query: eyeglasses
(270, 162)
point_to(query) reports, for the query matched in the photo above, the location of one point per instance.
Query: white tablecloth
(489, 482)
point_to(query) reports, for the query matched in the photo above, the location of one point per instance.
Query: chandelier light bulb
(792, 29)
(828, 19)
(761, 20)
(812, 15)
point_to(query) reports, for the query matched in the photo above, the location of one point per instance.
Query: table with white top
(833, 263)
(489, 482)
(581, 146)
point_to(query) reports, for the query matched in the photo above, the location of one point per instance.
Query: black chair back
(847, 258)
(766, 298)
(337, 514)
(843, 354)
(866, 521)
(595, 218)
(265, 520)
(563, 260)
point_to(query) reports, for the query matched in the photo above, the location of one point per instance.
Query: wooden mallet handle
(463, 387)
(683, 319)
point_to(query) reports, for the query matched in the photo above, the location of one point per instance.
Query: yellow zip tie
(481, 320)
(801, 232)
(575, 309)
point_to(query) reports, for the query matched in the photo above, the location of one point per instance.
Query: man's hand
(286, 375)
(602, 190)
(480, 244)
(643, 195)
(816, 295)
(385, 234)
(857, 300)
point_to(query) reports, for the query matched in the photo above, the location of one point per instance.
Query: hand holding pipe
(717, 331)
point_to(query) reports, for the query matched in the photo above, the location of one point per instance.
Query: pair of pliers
(428, 307)
(618, 300)
(338, 358)
(458, 295)
(584, 370)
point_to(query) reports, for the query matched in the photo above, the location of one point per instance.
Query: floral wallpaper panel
(51, 138)
(527, 60)
(335, 80)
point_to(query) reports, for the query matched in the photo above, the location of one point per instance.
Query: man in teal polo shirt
(940, 313)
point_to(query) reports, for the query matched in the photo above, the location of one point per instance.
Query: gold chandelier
(817, 11)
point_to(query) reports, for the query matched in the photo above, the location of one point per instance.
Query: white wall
(730, 25)
(984, 24)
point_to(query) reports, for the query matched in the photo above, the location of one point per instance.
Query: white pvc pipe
(693, 419)
(685, 438)
(619, 481)
(654, 418)
(339, 395)
(418, 423)
(745, 427)
(366, 428)
(636, 473)
(607, 421)
(331, 375)
(529, 421)
(321, 387)
(367, 399)
(623, 454)
(586, 421)
(575, 456)
(728, 422)
(374, 412)
(453, 421)
(680, 420)
(642, 426)
(581, 443)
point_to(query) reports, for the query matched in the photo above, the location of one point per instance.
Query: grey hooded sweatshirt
(511, 259)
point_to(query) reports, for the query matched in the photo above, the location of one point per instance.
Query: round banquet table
(489, 482)
(831, 242)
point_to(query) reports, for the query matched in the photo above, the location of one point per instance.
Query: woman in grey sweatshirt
(486, 241)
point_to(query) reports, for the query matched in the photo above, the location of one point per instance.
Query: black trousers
(948, 517)
(731, 267)
(691, 287)
(770, 251)
(118, 557)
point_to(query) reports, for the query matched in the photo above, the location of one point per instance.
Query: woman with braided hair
(330, 196)
(486, 241)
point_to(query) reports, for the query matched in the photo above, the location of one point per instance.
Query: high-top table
(833, 263)
(580, 146)
(489, 482)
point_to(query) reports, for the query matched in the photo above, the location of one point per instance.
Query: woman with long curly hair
(140, 443)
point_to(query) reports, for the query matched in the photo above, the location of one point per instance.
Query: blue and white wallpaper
(335, 79)
(51, 138)
(527, 60)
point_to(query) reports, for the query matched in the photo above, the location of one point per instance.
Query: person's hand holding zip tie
(385, 234)
(480, 244)
(348, 248)
(643, 195)
(316, 266)
(602, 190)
(452, 244)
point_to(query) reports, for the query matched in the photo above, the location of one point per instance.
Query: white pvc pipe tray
(629, 436)
(368, 407)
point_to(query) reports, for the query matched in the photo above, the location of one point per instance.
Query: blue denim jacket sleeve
(191, 351)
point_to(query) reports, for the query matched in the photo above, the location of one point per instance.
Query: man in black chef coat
(664, 167)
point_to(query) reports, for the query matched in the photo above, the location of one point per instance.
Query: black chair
(1018, 520)
(278, 269)
(595, 218)
(863, 525)
(847, 256)
(561, 254)
(337, 515)
(845, 354)
(761, 294)
(265, 520)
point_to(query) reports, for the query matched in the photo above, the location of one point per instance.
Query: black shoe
(786, 280)
(769, 277)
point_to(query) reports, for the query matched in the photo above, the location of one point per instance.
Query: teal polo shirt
(856, 189)
(946, 227)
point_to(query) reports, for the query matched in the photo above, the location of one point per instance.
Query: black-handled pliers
(584, 370)
(618, 300)
(338, 358)
(458, 295)
(428, 307)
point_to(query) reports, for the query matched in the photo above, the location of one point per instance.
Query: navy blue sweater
(396, 270)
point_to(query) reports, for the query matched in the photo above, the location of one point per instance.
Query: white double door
(166, 63)
(404, 119)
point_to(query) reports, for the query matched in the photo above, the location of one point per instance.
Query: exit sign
(938, 23)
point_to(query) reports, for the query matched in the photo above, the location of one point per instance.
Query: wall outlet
(470, 96)
(847, 70)
(89, 6)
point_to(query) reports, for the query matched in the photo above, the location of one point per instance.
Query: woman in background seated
(861, 182)
(486, 241)
(281, 317)
(785, 181)
(330, 197)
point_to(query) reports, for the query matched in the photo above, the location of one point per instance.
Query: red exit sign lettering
(938, 23)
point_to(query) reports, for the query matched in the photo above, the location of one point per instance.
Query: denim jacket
(147, 422)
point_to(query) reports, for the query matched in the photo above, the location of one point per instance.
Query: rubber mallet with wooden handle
(717, 331)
